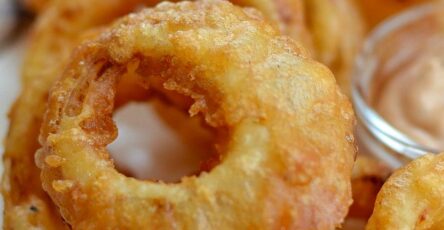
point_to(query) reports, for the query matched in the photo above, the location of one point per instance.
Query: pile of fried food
(285, 146)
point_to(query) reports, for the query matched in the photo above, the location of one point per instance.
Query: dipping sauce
(413, 102)
(398, 87)
(410, 95)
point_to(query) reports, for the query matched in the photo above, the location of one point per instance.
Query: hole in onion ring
(157, 139)
(159, 142)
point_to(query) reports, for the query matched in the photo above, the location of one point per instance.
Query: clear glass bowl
(381, 52)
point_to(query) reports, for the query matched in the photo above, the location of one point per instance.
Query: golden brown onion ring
(413, 197)
(57, 31)
(285, 119)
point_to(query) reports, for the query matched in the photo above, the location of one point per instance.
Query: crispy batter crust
(412, 198)
(285, 118)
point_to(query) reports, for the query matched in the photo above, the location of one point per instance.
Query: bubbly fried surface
(412, 198)
(284, 117)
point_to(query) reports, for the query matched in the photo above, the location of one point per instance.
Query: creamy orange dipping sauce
(412, 99)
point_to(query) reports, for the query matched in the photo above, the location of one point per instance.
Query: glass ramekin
(374, 134)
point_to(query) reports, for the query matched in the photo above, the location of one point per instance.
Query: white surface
(158, 142)
(10, 63)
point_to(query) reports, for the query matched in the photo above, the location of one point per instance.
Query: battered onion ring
(57, 31)
(413, 197)
(285, 118)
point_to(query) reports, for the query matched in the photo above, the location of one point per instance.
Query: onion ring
(285, 119)
(53, 38)
(412, 198)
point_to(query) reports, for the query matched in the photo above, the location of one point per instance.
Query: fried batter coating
(284, 117)
(412, 198)
(53, 37)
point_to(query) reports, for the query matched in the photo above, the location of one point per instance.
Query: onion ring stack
(412, 198)
(284, 116)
